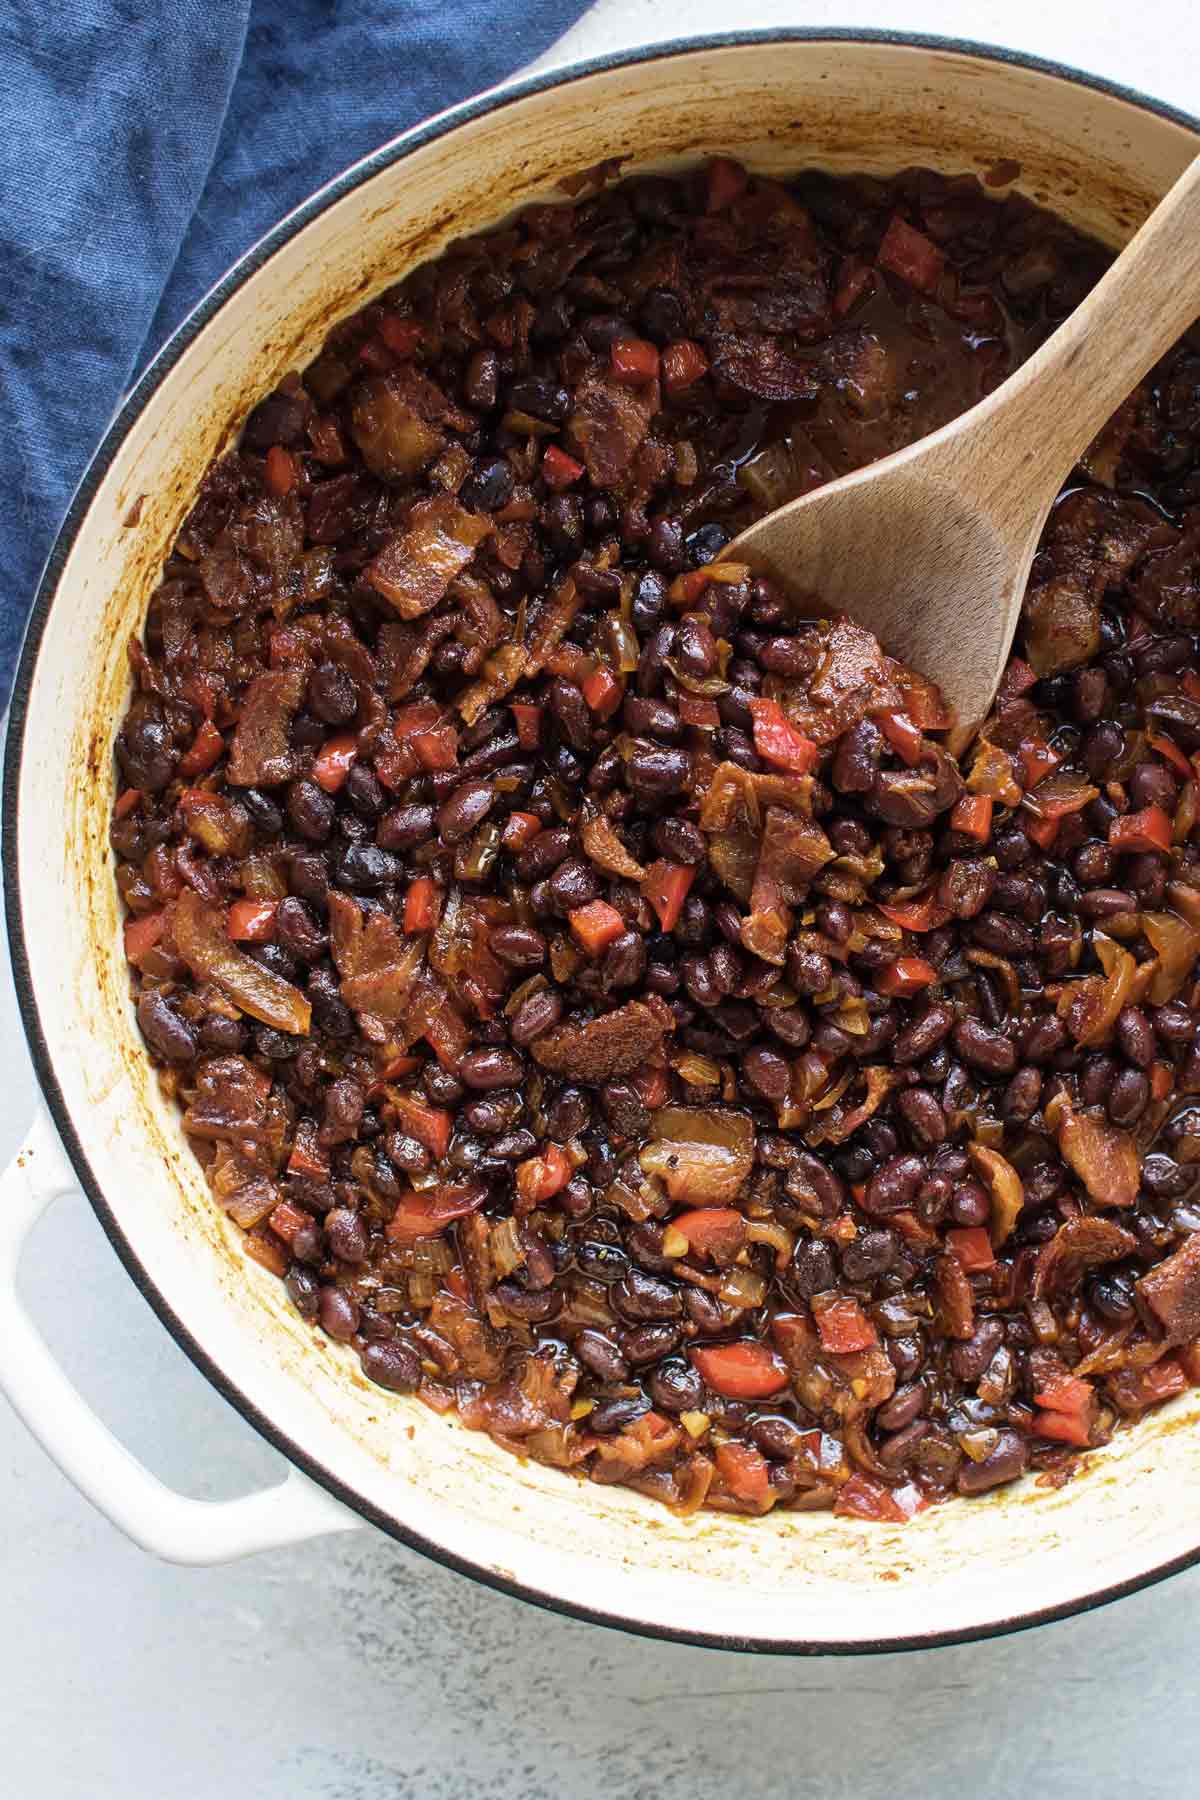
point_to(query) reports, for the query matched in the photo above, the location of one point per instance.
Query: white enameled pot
(849, 101)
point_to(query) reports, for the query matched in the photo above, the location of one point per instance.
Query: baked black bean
(852, 1021)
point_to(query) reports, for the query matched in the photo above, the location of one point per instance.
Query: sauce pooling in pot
(597, 993)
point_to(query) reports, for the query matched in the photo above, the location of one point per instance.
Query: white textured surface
(353, 1670)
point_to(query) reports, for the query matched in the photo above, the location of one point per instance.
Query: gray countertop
(352, 1669)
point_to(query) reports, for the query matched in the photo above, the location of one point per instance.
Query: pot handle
(180, 1530)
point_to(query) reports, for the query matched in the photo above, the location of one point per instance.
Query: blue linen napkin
(143, 147)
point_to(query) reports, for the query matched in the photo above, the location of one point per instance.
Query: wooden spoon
(931, 547)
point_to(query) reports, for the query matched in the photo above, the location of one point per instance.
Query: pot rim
(156, 372)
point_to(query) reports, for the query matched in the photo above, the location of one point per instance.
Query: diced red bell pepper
(206, 748)
(1064, 1392)
(519, 829)
(268, 1252)
(595, 926)
(904, 737)
(1149, 829)
(403, 336)
(666, 888)
(1018, 678)
(1037, 761)
(528, 721)
(716, 1231)
(543, 1176)
(307, 1158)
(740, 1371)
(142, 934)
(428, 1212)
(570, 661)
(334, 761)
(422, 715)
(864, 1497)
(1190, 682)
(973, 1248)
(420, 904)
(923, 912)
(653, 1087)
(281, 471)
(126, 802)
(603, 692)
(972, 815)
(252, 921)
(558, 469)
(683, 364)
(1162, 1080)
(701, 715)
(726, 181)
(1042, 832)
(842, 1324)
(1169, 750)
(1064, 1428)
(437, 749)
(924, 701)
(907, 975)
(287, 1220)
(430, 1125)
(778, 742)
(634, 361)
(908, 253)
(687, 588)
(744, 1473)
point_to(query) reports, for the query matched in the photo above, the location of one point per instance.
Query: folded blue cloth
(143, 148)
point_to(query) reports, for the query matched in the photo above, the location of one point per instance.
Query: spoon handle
(1054, 405)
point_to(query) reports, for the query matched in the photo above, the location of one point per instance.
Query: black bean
(338, 1314)
(543, 853)
(906, 1404)
(489, 486)
(676, 1387)
(812, 1269)
(164, 1030)
(895, 1185)
(600, 1356)
(331, 694)
(625, 961)
(647, 1343)
(467, 807)
(923, 1116)
(869, 1255)
(573, 884)
(538, 1014)
(656, 771)
(570, 711)
(310, 809)
(304, 1291)
(652, 718)
(1128, 1096)
(645, 1299)
(987, 1050)
(1023, 1094)
(1174, 1023)
(616, 1415)
(347, 1234)
(520, 946)
(544, 399)
(1003, 935)
(393, 1365)
(923, 1034)
(531, 1309)
(488, 1069)
(265, 816)
(1008, 1460)
(1102, 903)
(366, 869)
(971, 1358)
